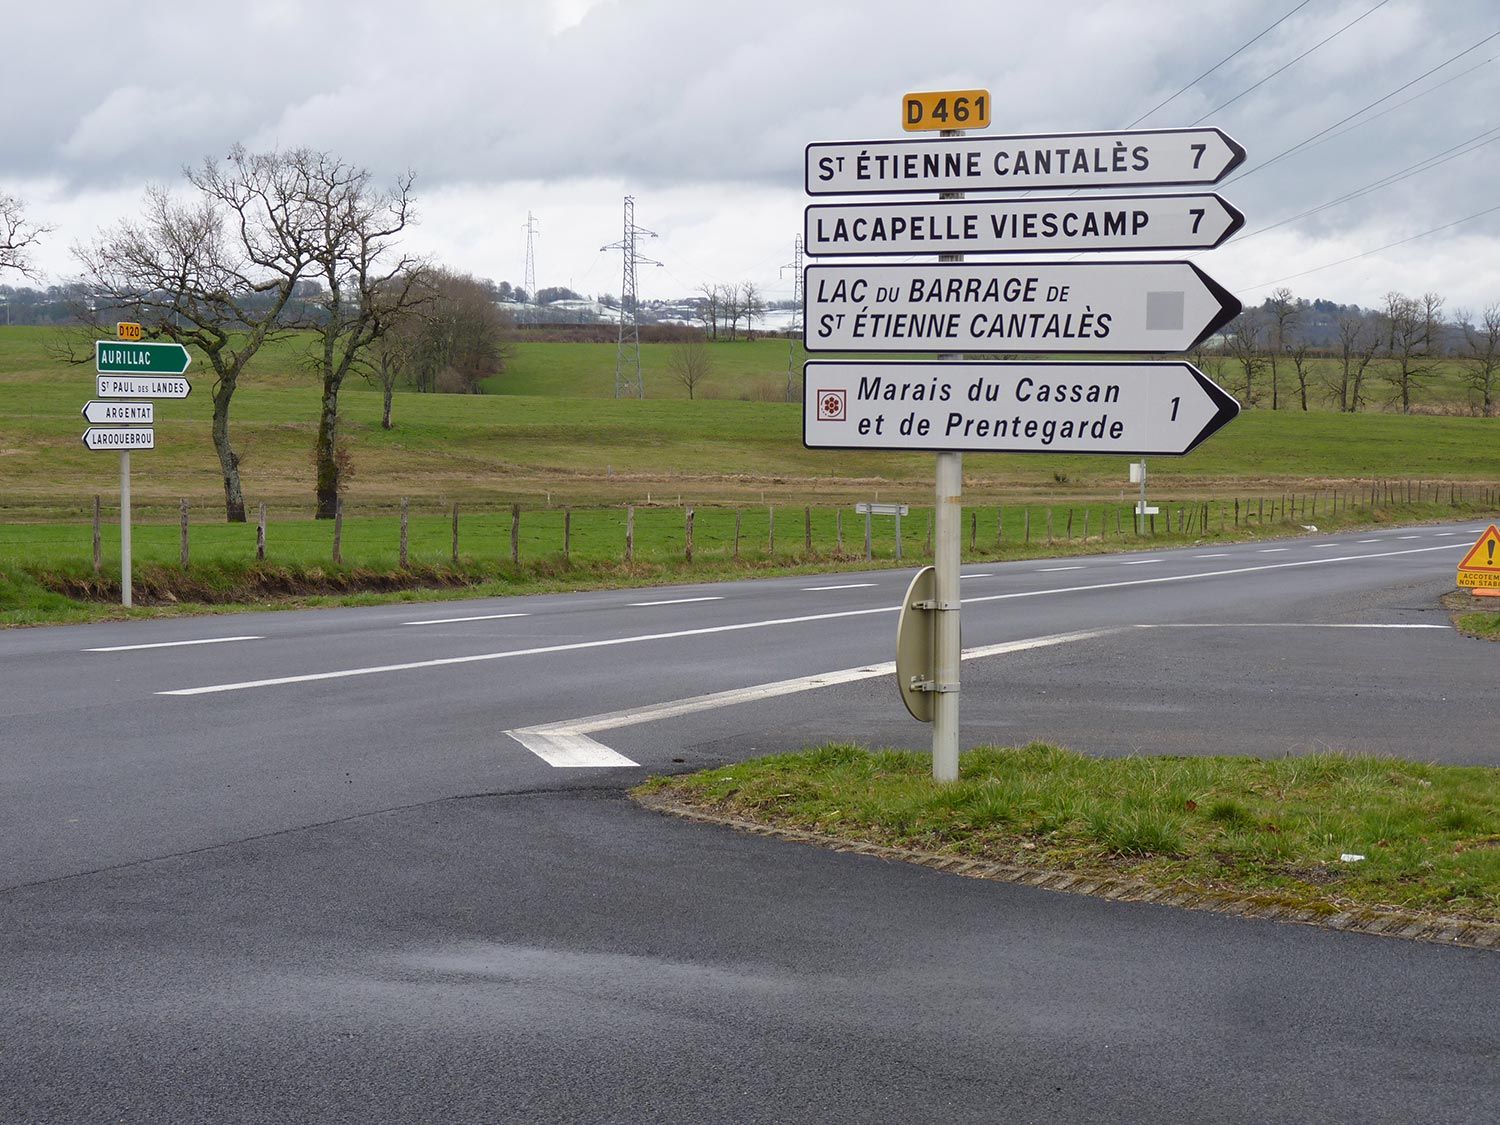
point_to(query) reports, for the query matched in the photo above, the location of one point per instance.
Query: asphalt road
(310, 875)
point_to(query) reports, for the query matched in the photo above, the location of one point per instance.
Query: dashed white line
(1139, 562)
(1327, 546)
(845, 586)
(1055, 569)
(1408, 537)
(173, 644)
(680, 601)
(963, 576)
(1367, 540)
(459, 620)
(1273, 550)
(1220, 555)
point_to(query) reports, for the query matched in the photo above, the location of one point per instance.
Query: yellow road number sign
(946, 109)
(126, 330)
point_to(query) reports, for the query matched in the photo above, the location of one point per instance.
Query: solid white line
(1055, 569)
(1280, 625)
(173, 644)
(681, 601)
(845, 586)
(458, 620)
(567, 744)
(1139, 562)
(610, 642)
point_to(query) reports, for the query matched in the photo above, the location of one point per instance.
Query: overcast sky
(701, 111)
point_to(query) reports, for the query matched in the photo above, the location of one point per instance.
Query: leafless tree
(690, 363)
(708, 309)
(349, 230)
(459, 335)
(731, 308)
(17, 236)
(1283, 313)
(215, 272)
(1298, 351)
(1481, 356)
(1358, 343)
(1244, 347)
(1411, 325)
(752, 303)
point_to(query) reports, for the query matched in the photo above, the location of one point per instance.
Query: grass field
(560, 447)
(1428, 835)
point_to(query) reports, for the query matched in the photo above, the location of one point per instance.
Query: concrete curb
(1438, 928)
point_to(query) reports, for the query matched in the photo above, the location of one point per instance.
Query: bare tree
(1411, 325)
(348, 229)
(1298, 350)
(1358, 343)
(1244, 347)
(752, 303)
(1481, 356)
(17, 236)
(690, 363)
(731, 308)
(460, 336)
(708, 309)
(215, 272)
(1283, 313)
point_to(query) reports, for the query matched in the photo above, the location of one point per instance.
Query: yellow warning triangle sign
(1484, 555)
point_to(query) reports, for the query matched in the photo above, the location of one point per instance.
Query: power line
(626, 383)
(1378, 249)
(1221, 62)
(1344, 120)
(1294, 62)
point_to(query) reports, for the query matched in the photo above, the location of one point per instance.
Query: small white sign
(1115, 307)
(143, 386)
(1145, 158)
(142, 413)
(121, 438)
(1163, 408)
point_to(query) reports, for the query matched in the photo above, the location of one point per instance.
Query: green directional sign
(118, 357)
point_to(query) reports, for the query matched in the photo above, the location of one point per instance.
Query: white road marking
(1327, 546)
(1281, 625)
(1273, 550)
(459, 620)
(567, 744)
(609, 642)
(1055, 569)
(976, 576)
(845, 586)
(1408, 537)
(173, 644)
(1440, 534)
(1220, 555)
(1139, 562)
(681, 601)
(1367, 540)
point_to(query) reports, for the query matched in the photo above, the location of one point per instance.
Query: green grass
(1274, 829)
(752, 370)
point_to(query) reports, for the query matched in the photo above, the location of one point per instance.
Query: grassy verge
(1275, 830)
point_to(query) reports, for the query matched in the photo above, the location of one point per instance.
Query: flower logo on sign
(831, 406)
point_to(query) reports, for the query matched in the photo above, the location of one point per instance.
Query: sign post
(954, 405)
(131, 369)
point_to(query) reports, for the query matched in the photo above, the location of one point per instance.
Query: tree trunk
(327, 461)
(229, 460)
(385, 416)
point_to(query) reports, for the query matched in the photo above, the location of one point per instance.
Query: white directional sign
(1147, 158)
(1139, 409)
(120, 439)
(143, 386)
(1020, 226)
(1028, 307)
(143, 413)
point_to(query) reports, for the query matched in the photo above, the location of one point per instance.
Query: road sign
(127, 330)
(915, 645)
(1146, 158)
(142, 413)
(1480, 568)
(114, 357)
(985, 307)
(868, 508)
(125, 386)
(1161, 408)
(1020, 226)
(946, 109)
(120, 439)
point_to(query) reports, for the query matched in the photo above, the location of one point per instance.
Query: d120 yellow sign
(127, 330)
(1480, 568)
(946, 109)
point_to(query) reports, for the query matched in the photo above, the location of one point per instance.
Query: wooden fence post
(630, 533)
(567, 532)
(98, 561)
(183, 509)
(515, 534)
(838, 529)
(1085, 525)
(807, 531)
(338, 531)
(1049, 527)
(738, 513)
(687, 536)
(973, 530)
(405, 537)
(1070, 523)
(1026, 514)
(260, 535)
(999, 526)
(455, 534)
(771, 531)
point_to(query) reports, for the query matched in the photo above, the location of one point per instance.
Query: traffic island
(1375, 845)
